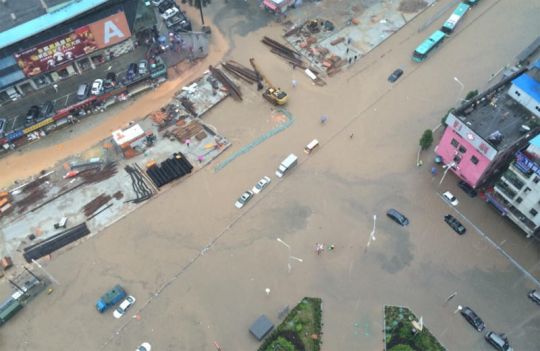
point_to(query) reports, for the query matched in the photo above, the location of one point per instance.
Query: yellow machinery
(275, 95)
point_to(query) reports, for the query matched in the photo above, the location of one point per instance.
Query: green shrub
(471, 94)
(426, 140)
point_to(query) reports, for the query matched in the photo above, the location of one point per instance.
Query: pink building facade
(467, 153)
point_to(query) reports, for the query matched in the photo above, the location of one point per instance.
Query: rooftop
(22, 19)
(530, 81)
(497, 119)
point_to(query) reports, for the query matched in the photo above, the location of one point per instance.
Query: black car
(165, 5)
(132, 71)
(455, 224)
(397, 217)
(535, 296)
(498, 341)
(395, 75)
(469, 190)
(110, 81)
(47, 109)
(473, 318)
(32, 114)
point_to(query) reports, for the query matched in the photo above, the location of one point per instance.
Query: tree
(426, 139)
(471, 94)
(402, 347)
(443, 120)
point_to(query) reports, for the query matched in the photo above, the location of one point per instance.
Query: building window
(518, 93)
(518, 200)
(537, 108)
(462, 149)
(533, 212)
(454, 143)
(536, 180)
(527, 190)
(474, 160)
(457, 159)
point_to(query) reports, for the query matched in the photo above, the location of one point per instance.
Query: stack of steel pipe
(240, 71)
(233, 89)
(281, 50)
(55, 242)
(169, 170)
(138, 183)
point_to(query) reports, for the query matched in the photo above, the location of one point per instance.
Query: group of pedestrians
(319, 248)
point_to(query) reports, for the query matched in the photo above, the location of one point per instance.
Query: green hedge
(296, 331)
(399, 335)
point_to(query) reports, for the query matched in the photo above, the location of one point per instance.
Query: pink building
(483, 134)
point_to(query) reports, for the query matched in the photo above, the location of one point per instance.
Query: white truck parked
(286, 164)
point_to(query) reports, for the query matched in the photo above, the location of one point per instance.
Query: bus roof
(456, 16)
(461, 9)
(433, 39)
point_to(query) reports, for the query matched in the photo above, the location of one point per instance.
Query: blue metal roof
(528, 84)
(535, 141)
(56, 16)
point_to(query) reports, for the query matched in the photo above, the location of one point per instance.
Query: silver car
(261, 184)
(243, 199)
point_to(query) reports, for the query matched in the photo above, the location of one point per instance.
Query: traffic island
(301, 329)
(403, 331)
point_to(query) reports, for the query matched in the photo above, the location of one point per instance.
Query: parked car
(170, 13)
(451, 198)
(455, 224)
(469, 190)
(165, 5)
(243, 199)
(124, 306)
(2, 126)
(143, 67)
(110, 81)
(261, 184)
(397, 217)
(144, 347)
(395, 75)
(498, 341)
(472, 318)
(32, 114)
(133, 70)
(182, 27)
(535, 296)
(47, 109)
(82, 91)
(97, 86)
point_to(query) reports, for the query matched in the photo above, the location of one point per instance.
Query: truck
(110, 298)
(288, 163)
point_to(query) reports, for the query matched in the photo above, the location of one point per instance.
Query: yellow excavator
(275, 95)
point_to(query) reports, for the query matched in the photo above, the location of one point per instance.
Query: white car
(451, 198)
(144, 347)
(243, 199)
(261, 184)
(124, 306)
(170, 13)
(97, 86)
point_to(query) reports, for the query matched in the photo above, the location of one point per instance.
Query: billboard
(56, 52)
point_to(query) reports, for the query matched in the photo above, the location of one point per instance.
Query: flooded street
(199, 267)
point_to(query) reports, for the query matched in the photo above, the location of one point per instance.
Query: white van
(311, 146)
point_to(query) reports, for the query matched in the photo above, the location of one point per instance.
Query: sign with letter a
(111, 30)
